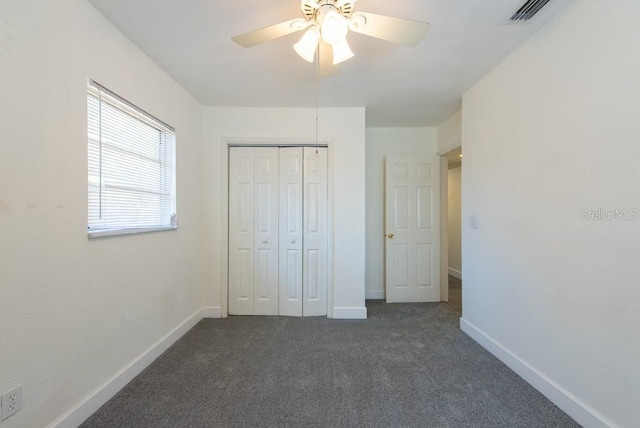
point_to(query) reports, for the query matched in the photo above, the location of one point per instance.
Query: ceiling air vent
(528, 10)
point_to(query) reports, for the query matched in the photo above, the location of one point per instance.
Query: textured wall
(76, 311)
(550, 132)
(450, 133)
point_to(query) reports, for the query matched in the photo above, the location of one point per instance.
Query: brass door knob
(390, 235)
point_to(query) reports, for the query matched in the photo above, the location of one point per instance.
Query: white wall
(74, 312)
(454, 226)
(382, 142)
(551, 131)
(450, 133)
(345, 128)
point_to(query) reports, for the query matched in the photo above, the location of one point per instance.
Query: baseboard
(350, 313)
(211, 312)
(565, 400)
(455, 273)
(90, 404)
(374, 294)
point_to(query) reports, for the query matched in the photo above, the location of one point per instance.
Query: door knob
(293, 241)
(265, 242)
(390, 235)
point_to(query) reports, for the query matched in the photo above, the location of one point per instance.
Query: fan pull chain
(317, 91)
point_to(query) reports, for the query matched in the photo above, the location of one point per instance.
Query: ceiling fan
(327, 23)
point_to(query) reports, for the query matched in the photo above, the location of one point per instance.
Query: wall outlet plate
(11, 402)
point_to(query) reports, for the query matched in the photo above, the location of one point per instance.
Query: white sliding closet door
(253, 231)
(265, 277)
(291, 233)
(241, 215)
(278, 231)
(315, 232)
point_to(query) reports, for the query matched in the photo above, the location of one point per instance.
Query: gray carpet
(408, 365)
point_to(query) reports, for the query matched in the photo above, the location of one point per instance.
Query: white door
(412, 250)
(291, 233)
(315, 232)
(253, 231)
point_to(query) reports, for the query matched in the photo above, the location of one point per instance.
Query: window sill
(118, 232)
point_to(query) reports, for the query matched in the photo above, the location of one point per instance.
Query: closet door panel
(315, 232)
(265, 290)
(241, 225)
(290, 287)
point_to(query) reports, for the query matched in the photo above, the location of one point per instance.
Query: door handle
(265, 242)
(293, 241)
(390, 235)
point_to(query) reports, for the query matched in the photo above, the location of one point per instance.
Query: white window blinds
(131, 167)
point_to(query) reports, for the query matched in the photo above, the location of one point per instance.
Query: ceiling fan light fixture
(341, 51)
(308, 44)
(314, 4)
(357, 21)
(326, 24)
(334, 27)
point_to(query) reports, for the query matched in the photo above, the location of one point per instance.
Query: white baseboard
(350, 313)
(565, 400)
(455, 273)
(73, 417)
(374, 294)
(211, 312)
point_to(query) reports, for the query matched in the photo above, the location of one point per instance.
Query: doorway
(453, 229)
(278, 231)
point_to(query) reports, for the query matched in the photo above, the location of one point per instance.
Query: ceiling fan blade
(397, 30)
(262, 35)
(325, 61)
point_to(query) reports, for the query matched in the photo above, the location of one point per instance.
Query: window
(131, 167)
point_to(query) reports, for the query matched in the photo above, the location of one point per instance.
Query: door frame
(444, 220)
(224, 205)
(444, 228)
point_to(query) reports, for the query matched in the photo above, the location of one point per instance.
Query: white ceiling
(399, 86)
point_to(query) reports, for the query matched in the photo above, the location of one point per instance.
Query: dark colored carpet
(408, 365)
(455, 294)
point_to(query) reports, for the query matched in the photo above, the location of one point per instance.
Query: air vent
(528, 10)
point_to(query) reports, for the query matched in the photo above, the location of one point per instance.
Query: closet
(278, 231)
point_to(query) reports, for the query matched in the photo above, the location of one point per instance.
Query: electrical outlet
(11, 402)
